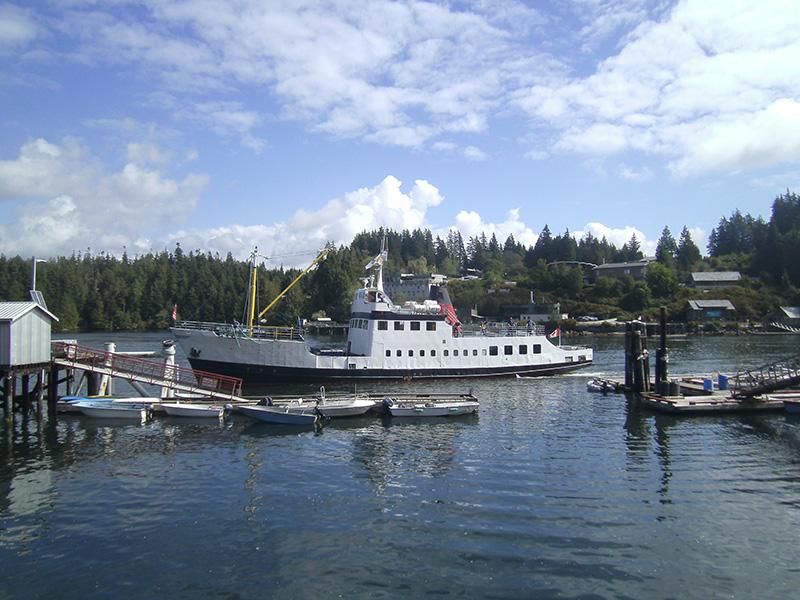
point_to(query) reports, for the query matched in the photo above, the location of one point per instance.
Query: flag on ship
(439, 293)
(174, 312)
(555, 333)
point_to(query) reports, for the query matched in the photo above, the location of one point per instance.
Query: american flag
(449, 314)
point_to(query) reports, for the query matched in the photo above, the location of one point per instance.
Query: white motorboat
(110, 410)
(430, 409)
(599, 385)
(124, 401)
(193, 410)
(384, 341)
(348, 406)
(280, 415)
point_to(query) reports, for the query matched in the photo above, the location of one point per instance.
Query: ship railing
(237, 330)
(141, 369)
(503, 331)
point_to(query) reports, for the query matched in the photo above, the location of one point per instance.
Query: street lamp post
(33, 280)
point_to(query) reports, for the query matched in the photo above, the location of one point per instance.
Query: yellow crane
(251, 300)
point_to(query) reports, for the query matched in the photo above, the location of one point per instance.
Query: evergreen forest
(104, 292)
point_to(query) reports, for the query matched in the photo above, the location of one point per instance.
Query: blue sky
(226, 124)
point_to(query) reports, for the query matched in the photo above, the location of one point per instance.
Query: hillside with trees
(103, 292)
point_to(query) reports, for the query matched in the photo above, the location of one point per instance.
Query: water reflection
(404, 449)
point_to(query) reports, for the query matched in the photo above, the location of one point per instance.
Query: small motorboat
(430, 409)
(133, 400)
(194, 410)
(331, 407)
(112, 410)
(281, 415)
(600, 386)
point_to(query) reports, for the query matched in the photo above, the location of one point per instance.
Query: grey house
(704, 310)
(636, 269)
(707, 280)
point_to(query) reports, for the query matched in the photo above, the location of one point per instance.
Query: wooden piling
(8, 396)
(52, 388)
(628, 356)
(40, 383)
(92, 383)
(662, 358)
(26, 393)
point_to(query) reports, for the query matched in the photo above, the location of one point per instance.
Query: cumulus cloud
(618, 236)
(67, 200)
(711, 85)
(471, 224)
(337, 221)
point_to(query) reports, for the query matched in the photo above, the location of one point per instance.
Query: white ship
(384, 341)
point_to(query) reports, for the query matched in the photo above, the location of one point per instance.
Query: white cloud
(148, 153)
(17, 27)
(69, 201)
(66, 193)
(713, 85)
(476, 154)
(471, 224)
(338, 221)
(618, 236)
(336, 65)
(632, 174)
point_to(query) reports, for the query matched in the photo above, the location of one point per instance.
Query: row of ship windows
(398, 325)
(493, 351)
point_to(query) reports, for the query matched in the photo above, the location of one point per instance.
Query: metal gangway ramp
(154, 372)
(769, 378)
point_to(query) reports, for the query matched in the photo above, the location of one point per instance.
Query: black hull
(266, 374)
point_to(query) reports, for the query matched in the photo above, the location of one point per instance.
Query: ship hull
(265, 374)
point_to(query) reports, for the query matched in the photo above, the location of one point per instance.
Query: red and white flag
(449, 314)
(555, 333)
(174, 312)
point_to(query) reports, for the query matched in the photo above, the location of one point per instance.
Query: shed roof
(701, 304)
(712, 276)
(11, 311)
(793, 312)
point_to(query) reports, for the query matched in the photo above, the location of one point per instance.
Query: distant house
(790, 315)
(636, 269)
(409, 286)
(537, 312)
(715, 279)
(703, 310)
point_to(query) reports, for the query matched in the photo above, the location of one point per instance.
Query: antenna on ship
(378, 262)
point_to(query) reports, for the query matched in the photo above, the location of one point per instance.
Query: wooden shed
(24, 334)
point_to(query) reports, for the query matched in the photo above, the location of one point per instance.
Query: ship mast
(378, 262)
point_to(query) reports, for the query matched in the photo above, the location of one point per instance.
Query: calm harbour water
(549, 492)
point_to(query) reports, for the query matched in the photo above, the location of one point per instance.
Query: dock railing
(769, 378)
(141, 369)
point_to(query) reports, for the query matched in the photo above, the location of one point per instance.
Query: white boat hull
(105, 410)
(193, 410)
(429, 409)
(333, 408)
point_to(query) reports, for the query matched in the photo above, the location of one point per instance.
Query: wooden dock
(717, 402)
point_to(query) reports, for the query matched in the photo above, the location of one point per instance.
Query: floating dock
(713, 403)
